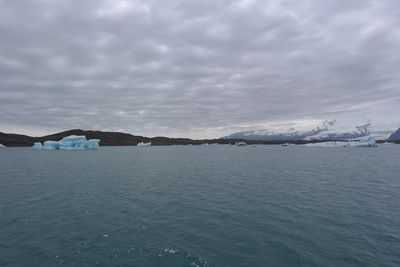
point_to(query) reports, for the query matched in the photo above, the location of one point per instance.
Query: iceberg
(241, 143)
(2, 146)
(72, 142)
(144, 144)
(51, 145)
(389, 144)
(92, 144)
(367, 142)
(37, 146)
(328, 144)
(287, 144)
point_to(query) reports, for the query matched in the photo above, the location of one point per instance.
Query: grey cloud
(195, 67)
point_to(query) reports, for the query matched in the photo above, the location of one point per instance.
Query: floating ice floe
(367, 142)
(144, 144)
(389, 144)
(72, 142)
(209, 144)
(37, 146)
(287, 144)
(241, 143)
(2, 146)
(328, 144)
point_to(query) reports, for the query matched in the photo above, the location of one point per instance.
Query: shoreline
(124, 139)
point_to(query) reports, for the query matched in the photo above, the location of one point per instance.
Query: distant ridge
(395, 136)
(107, 139)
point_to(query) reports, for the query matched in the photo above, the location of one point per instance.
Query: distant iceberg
(328, 144)
(287, 144)
(37, 146)
(144, 144)
(92, 144)
(389, 144)
(367, 142)
(2, 146)
(72, 142)
(241, 143)
(51, 145)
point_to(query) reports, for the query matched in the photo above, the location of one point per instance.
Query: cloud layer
(195, 68)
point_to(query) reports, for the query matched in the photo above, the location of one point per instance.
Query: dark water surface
(200, 206)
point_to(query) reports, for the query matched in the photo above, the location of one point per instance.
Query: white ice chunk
(144, 144)
(2, 146)
(367, 142)
(37, 146)
(287, 144)
(328, 144)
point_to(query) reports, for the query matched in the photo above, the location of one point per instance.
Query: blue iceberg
(37, 146)
(92, 144)
(72, 142)
(50, 145)
(2, 146)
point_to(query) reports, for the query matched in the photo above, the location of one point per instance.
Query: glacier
(328, 130)
(72, 142)
(2, 146)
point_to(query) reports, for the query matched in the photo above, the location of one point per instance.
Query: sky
(198, 69)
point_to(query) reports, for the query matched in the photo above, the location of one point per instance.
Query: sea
(201, 206)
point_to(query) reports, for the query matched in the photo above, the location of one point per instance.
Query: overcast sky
(196, 68)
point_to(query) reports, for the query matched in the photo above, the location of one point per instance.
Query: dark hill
(107, 139)
(16, 139)
(395, 136)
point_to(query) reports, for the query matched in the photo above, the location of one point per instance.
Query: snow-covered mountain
(319, 130)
